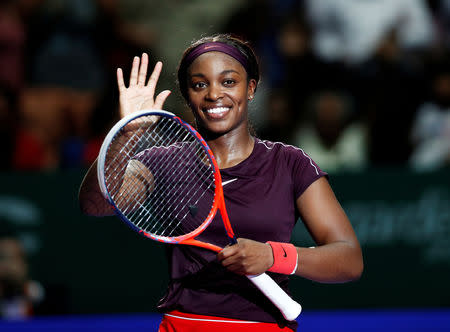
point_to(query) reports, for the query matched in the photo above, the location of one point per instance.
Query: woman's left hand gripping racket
(163, 180)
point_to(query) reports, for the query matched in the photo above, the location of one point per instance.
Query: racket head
(204, 157)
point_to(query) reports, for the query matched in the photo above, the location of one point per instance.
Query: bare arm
(137, 96)
(337, 257)
(90, 197)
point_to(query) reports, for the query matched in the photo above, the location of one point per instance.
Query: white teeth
(217, 110)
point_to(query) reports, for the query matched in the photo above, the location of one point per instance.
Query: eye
(198, 85)
(229, 82)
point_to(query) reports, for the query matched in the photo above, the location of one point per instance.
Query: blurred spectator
(259, 22)
(75, 48)
(118, 40)
(61, 127)
(80, 43)
(441, 16)
(85, 134)
(18, 293)
(8, 100)
(330, 136)
(431, 130)
(40, 130)
(68, 55)
(278, 123)
(253, 20)
(302, 70)
(351, 30)
(390, 89)
(12, 44)
(304, 74)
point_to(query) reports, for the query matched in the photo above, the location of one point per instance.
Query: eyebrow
(222, 73)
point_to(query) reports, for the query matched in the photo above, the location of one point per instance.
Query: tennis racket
(163, 180)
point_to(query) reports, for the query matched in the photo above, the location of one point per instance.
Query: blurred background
(362, 86)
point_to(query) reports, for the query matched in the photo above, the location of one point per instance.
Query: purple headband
(216, 47)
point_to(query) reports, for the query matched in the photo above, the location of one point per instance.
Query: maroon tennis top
(260, 197)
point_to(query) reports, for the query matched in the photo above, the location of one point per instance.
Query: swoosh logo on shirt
(228, 181)
(285, 254)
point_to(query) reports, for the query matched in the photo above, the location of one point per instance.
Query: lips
(217, 112)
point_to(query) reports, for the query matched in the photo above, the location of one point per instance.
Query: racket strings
(152, 138)
(172, 220)
(178, 212)
(181, 193)
(168, 215)
(173, 212)
(126, 198)
(141, 169)
(164, 169)
(188, 226)
(118, 158)
(134, 140)
(153, 207)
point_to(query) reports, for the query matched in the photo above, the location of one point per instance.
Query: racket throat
(233, 240)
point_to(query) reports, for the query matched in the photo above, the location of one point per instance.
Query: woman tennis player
(267, 187)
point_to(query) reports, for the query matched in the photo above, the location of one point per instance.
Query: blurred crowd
(355, 83)
(20, 296)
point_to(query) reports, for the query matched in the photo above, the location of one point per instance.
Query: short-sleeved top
(260, 197)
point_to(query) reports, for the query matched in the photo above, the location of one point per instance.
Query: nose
(214, 92)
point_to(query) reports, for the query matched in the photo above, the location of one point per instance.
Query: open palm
(140, 95)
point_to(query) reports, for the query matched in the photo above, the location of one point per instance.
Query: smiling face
(218, 91)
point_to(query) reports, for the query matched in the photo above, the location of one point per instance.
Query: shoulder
(277, 147)
(292, 155)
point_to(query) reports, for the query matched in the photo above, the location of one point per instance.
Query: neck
(231, 148)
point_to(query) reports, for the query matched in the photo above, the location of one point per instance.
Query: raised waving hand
(139, 94)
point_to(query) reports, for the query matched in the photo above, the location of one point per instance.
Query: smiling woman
(218, 77)
(218, 94)
(268, 186)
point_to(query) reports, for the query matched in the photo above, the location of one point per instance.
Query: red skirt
(176, 321)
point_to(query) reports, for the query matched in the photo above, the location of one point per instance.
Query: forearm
(335, 262)
(90, 197)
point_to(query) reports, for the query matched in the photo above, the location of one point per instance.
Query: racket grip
(288, 307)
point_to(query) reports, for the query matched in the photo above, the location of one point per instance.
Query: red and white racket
(163, 180)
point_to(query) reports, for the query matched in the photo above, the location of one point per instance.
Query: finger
(161, 98)
(228, 262)
(143, 69)
(120, 82)
(153, 80)
(227, 253)
(233, 265)
(134, 71)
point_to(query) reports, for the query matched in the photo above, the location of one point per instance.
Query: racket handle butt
(287, 306)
